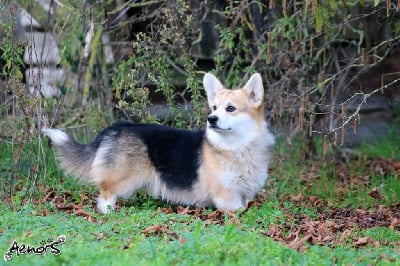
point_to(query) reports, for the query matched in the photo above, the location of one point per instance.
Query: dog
(222, 166)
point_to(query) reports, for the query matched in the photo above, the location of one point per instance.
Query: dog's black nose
(212, 119)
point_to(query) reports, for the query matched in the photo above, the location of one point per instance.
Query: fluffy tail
(75, 158)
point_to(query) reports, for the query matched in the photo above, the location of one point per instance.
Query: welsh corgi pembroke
(223, 166)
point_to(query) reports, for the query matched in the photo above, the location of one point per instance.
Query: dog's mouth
(219, 129)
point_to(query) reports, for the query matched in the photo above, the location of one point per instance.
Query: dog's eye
(230, 108)
(214, 107)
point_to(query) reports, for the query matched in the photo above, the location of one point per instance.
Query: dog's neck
(233, 143)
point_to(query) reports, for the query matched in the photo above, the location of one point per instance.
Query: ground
(312, 211)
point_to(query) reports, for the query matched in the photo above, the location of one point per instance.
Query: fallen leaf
(375, 194)
(362, 241)
(395, 222)
(298, 243)
(377, 244)
(43, 212)
(182, 210)
(77, 206)
(64, 207)
(327, 239)
(167, 210)
(85, 214)
(153, 228)
(314, 200)
(163, 230)
(297, 199)
(50, 195)
(100, 236)
(346, 234)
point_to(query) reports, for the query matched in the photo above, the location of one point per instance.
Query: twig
(356, 113)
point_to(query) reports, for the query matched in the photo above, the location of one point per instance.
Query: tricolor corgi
(223, 166)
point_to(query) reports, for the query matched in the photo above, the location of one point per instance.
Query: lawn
(312, 212)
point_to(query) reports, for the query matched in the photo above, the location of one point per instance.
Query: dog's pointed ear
(255, 90)
(212, 85)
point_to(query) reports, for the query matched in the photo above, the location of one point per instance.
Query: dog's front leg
(107, 199)
(228, 200)
(106, 205)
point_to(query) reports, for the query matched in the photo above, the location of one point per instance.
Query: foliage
(11, 53)
(19, 110)
(163, 59)
(133, 100)
(295, 45)
(311, 56)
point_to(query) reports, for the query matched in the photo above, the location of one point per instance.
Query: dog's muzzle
(213, 124)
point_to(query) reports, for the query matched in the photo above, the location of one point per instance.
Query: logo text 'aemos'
(21, 249)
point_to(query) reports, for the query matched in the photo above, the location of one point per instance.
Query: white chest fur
(245, 172)
(233, 177)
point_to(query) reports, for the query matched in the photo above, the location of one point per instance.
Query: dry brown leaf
(377, 244)
(43, 212)
(362, 241)
(64, 207)
(340, 191)
(182, 210)
(50, 195)
(394, 223)
(314, 200)
(297, 199)
(167, 210)
(327, 239)
(152, 228)
(375, 194)
(86, 215)
(298, 243)
(346, 234)
(163, 230)
(77, 206)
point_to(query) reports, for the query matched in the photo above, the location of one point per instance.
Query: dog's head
(236, 115)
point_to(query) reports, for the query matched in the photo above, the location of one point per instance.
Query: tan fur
(132, 169)
(239, 99)
(213, 165)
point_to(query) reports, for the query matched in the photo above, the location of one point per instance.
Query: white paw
(106, 206)
(228, 205)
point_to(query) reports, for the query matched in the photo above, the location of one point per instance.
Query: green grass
(387, 147)
(118, 238)
(327, 180)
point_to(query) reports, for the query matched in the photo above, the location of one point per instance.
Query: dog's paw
(228, 205)
(106, 205)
